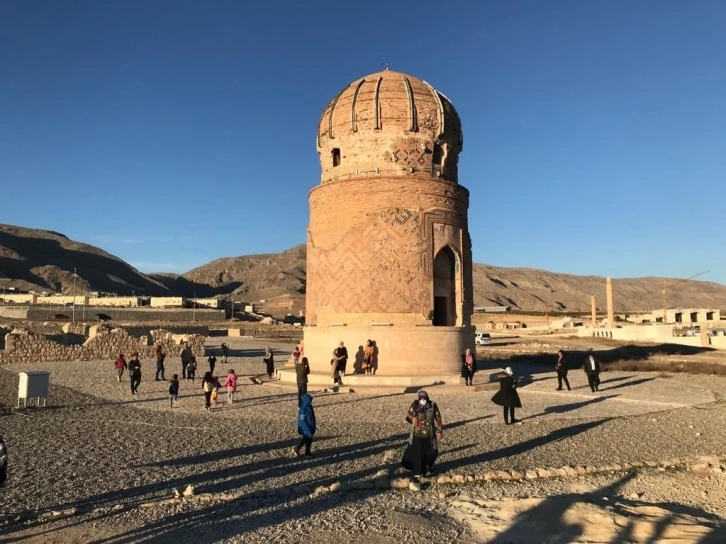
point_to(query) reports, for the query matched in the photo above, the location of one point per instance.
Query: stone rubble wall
(272, 332)
(130, 315)
(38, 327)
(23, 346)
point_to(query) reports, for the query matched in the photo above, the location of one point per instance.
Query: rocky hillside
(530, 289)
(44, 260)
(268, 276)
(41, 260)
(254, 277)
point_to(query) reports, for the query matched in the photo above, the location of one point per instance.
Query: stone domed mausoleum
(388, 246)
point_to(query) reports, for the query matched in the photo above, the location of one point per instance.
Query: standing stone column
(593, 311)
(611, 316)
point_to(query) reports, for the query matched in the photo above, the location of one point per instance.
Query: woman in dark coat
(468, 367)
(426, 426)
(507, 395)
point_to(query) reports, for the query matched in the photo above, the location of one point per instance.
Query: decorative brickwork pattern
(374, 267)
(371, 245)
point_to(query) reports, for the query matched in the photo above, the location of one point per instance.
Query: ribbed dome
(387, 123)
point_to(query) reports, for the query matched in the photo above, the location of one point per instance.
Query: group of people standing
(210, 383)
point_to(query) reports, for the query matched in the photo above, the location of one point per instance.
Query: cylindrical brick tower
(388, 247)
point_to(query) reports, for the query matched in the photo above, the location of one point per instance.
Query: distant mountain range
(40, 260)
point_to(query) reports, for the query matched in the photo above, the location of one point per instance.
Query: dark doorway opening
(445, 288)
(441, 311)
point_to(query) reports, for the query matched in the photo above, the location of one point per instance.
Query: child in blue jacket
(305, 425)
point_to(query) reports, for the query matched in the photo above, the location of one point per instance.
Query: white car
(483, 339)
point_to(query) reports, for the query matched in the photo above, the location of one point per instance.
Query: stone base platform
(365, 383)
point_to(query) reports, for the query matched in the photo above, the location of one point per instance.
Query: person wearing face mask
(426, 427)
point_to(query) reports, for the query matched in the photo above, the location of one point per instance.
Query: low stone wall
(14, 312)
(38, 327)
(146, 330)
(23, 346)
(131, 315)
(283, 333)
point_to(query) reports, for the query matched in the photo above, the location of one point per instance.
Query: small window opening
(438, 157)
(336, 157)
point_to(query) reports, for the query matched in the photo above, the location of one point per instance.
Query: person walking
(212, 360)
(368, 357)
(160, 356)
(120, 365)
(173, 389)
(208, 384)
(135, 373)
(507, 396)
(468, 367)
(225, 353)
(426, 431)
(305, 425)
(231, 385)
(302, 369)
(269, 361)
(592, 369)
(562, 371)
(186, 355)
(192, 369)
(296, 355)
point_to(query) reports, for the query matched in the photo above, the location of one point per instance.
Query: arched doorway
(445, 288)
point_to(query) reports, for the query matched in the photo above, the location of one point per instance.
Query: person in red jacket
(120, 365)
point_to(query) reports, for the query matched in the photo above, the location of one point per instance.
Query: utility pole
(74, 295)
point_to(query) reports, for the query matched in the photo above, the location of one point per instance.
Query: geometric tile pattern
(374, 267)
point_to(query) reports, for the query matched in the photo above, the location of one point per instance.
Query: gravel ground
(97, 445)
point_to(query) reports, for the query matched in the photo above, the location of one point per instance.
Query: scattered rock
(189, 491)
(443, 480)
(530, 475)
(400, 483)
(413, 486)
(335, 487)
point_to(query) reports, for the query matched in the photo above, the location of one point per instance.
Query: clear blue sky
(171, 133)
